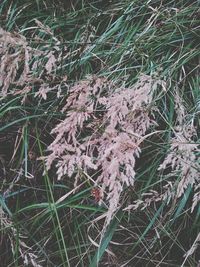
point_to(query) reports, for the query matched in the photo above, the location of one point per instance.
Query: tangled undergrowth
(99, 133)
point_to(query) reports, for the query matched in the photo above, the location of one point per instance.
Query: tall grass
(46, 222)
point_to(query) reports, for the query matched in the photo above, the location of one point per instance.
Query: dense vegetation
(99, 133)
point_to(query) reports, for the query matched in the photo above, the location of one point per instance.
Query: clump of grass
(49, 48)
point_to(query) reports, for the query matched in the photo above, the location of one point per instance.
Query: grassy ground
(41, 223)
